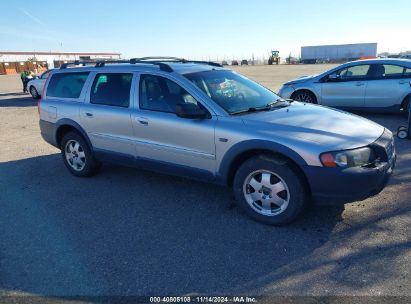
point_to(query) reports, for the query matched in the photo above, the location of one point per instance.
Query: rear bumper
(48, 132)
(339, 186)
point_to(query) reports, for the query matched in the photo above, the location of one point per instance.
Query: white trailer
(340, 52)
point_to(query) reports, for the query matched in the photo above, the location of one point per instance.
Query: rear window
(66, 85)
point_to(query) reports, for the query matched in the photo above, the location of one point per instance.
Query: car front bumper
(338, 186)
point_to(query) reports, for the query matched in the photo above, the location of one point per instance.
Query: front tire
(270, 191)
(77, 155)
(305, 96)
(34, 93)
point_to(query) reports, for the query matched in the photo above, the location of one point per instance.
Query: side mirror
(333, 77)
(191, 111)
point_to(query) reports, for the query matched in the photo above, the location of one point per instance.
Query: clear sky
(201, 29)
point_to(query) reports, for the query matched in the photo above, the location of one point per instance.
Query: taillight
(42, 93)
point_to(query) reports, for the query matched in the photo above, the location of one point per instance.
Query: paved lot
(274, 76)
(129, 232)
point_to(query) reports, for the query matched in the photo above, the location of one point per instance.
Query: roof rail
(76, 62)
(160, 58)
(101, 63)
(203, 62)
(161, 62)
(177, 60)
(163, 66)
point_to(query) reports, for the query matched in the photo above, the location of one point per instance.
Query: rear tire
(305, 96)
(77, 155)
(270, 191)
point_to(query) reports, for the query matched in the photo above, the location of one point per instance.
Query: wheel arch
(66, 125)
(245, 150)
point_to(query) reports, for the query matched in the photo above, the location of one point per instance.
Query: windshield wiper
(252, 109)
(282, 100)
(278, 103)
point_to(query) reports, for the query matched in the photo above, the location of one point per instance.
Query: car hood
(329, 128)
(302, 79)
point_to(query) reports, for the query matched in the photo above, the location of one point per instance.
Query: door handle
(358, 84)
(89, 114)
(402, 82)
(142, 121)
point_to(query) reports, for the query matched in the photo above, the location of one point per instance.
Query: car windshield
(233, 92)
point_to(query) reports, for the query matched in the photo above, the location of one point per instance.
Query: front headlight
(348, 158)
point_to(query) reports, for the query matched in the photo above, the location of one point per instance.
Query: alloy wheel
(266, 192)
(75, 155)
(304, 97)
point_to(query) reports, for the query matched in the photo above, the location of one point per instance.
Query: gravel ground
(130, 232)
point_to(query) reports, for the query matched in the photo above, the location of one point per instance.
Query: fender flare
(76, 126)
(254, 144)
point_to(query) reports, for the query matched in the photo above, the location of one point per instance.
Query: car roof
(180, 68)
(399, 61)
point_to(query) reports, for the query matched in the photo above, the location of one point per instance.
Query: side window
(111, 89)
(357, 72)
(407, 73)
(388, 71)
(45, 75)
(161, 94)
(66, 85)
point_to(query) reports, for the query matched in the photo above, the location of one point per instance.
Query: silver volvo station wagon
(199, 120)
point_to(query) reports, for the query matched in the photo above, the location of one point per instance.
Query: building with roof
(17, 62)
